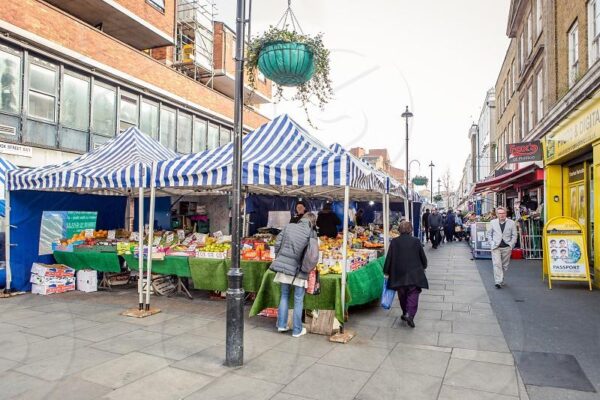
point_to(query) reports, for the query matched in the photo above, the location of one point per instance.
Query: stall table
(171, 265)
(364, 285)
(105, 261)
(210, 274)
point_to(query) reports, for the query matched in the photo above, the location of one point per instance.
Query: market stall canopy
(5, 166)
(279, 158)
(378, 180)
(123, 162)
(519, 177)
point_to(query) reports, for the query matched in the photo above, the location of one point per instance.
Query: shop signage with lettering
(16, 149)
(523, 152)
(576, 173)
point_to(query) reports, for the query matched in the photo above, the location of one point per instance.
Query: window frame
(539, 10)
(181, 114)
(540, 94)
(160, 130)
(132, 97)
(531, 112)
(20, 84)
(156, 105)
(156, 6)
(573, 53)
(593, 10)
(38, 62)
(81, 77)
(115, 90)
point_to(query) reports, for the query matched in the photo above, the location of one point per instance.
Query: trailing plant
(420, 180)
(317, 90)
(438, 198)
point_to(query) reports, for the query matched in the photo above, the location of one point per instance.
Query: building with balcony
(75, 73)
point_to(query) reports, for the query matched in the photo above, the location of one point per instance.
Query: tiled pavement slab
(180, 352)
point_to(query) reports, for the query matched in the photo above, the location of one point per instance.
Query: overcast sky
(439, 57)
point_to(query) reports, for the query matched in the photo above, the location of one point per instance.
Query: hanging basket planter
(420, 180)
(287, 63)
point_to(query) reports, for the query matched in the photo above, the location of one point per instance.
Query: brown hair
(405, 227)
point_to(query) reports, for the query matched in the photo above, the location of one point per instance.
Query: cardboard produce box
(87, 280)
(51, 289)
(51, 280)
(52, 270)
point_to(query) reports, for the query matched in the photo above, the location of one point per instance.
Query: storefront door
(591, 214)
(580, 194)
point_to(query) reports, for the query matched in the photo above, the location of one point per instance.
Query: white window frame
(573, 53)
(530, 108)
(523, 116)
(540, 94)
(529, 33)
(521, 51)
(593, 31)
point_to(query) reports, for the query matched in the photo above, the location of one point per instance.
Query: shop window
(167, 128)
(42, 92)
(10, 82)
(149, 119)
(184, 133)
(594, 31)
(213, 136)
(104, 110)
(128, 111)
(225, 136)
(74, 103)
(573, 52)
(199, 142)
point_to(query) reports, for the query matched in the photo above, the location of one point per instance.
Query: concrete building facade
(74, 74)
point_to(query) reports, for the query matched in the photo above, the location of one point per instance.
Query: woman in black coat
(327, 222)
(405, 266)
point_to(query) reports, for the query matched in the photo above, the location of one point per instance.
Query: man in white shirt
(502, 235)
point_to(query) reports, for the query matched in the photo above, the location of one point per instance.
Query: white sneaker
(301, 333)
(283, 329)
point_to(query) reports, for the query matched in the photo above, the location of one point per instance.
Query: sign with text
(57, 225)
(565, 251)
(16, 149)
(523, 152)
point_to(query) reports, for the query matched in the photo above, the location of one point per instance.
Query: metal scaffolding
(194, 49)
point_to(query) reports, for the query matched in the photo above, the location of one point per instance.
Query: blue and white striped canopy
(278, 154)
(378, 180)
(123, 162)
(5, 166)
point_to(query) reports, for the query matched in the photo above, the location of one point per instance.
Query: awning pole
(150, 242)
(345, 254)
(7, 246)
(141, 249)
(386, 222)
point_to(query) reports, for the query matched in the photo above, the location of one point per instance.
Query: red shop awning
(521, 177)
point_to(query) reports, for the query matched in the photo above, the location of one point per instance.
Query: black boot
(409, 321)
(404, 316)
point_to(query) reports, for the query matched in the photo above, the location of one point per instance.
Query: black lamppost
(234, 345)
(439, 181)
(431, 165)
(406, 115)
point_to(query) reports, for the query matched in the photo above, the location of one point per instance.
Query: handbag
(387, 296)
(314, 283)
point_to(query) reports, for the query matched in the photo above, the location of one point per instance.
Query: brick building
(380, 159)
(75, 73)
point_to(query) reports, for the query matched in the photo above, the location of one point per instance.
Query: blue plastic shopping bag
(387, 296)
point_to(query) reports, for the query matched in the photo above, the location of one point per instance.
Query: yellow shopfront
(572, 159)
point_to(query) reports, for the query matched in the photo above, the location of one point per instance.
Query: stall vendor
(301, 209)
(327, 222)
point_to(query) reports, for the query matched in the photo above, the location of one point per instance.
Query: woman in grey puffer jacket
(289, 250)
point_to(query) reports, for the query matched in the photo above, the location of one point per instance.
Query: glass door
(591, 215)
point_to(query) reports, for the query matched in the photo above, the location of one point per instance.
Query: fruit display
(84, 237)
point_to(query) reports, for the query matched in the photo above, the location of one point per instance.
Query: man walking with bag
(502, 235)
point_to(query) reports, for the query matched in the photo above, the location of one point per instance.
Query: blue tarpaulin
(26, 215)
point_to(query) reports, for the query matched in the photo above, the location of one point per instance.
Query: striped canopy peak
(121, 163)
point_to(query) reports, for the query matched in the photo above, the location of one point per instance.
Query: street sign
(565, 252)
(481, 246)
(523, 152)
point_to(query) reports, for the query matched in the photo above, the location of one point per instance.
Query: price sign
(112, 234)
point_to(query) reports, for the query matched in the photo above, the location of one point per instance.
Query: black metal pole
(234, 345)
(431, 194)
(407, 195)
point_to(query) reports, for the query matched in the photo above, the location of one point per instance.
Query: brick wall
(163, 21)
(33, 16)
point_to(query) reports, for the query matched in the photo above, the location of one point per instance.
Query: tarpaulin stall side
(26, 215)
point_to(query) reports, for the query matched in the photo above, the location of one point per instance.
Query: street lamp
(431, 165)
(439, 181)
(406, 115)
(234, 344)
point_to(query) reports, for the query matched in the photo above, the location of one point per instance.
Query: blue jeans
(282, 313)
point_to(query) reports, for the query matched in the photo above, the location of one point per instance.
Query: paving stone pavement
(78, 346)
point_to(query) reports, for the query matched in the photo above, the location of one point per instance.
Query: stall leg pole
(7, 246)
(141, 249)
(150, 242)
(345, 252)
(386, 222)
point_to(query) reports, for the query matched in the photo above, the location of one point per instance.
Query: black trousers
(435, 236)
(427, 235)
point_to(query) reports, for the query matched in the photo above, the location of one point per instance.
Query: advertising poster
(57, 225)
(566, 257)
(481, 240)
(581, 211)
(574, 202)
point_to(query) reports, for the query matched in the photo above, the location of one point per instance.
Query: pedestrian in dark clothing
(327, 222)
(405, 266)
(360, 217)
(449, 224)
(425, 223)
(301, 209)
(435, 224)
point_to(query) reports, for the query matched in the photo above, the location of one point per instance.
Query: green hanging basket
(419, 181)
(287, 63)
